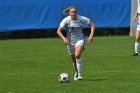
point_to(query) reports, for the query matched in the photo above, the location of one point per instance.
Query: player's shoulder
(81, 17)
(67, 18)
(138, 9)
(65, 21)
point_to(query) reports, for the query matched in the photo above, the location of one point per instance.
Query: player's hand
(90, 39)
(65, 41)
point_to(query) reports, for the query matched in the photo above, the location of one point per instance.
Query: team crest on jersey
(74, 28)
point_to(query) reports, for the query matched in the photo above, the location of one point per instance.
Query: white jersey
(74, 28)
(138, 11)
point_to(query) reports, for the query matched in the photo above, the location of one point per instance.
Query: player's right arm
(135, 16)
(59, 32)
(60, 28)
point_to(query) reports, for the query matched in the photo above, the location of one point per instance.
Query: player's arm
(135, 16)
(59, 32)
(92, 26)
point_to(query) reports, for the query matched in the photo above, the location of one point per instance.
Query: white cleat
(76, 76)
(79, 76)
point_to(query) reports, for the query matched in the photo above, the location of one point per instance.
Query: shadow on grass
(95, 79)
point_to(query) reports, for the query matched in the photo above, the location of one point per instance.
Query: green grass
(33, 66)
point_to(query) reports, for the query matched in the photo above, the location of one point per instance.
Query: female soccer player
(75, 39)
(138, 30)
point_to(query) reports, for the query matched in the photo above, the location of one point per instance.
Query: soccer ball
(64, 78)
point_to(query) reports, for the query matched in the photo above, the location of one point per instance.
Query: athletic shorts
(138, 27)
(71, 48)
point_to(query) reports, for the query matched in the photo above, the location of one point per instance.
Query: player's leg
(137, 43)
(79, 47)
(75, 67)
(78, 52)
(74, 62)
(71, 50)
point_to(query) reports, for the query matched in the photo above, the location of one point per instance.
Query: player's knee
(77, 56)
(137, 40)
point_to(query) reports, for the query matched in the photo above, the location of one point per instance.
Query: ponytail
(67, 10)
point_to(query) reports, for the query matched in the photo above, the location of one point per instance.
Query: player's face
(73, 12)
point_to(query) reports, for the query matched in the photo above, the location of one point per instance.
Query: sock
(79, 65)
(136, 47)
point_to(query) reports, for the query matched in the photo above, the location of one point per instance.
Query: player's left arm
(92, 26)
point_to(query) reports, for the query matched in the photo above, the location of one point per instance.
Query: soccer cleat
(79, 76)
(76, 76)
(135, 54)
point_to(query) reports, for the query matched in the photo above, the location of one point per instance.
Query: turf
(33, 66)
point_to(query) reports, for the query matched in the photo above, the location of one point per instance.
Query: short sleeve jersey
(138, 11)
(74, 28)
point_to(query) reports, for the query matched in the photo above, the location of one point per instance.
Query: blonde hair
(67, 10)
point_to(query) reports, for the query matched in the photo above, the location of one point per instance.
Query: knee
(137, 40)
(137, 36)
(77, 56)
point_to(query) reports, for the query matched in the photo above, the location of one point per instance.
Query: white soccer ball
(64, 78)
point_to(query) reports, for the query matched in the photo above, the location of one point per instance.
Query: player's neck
(74, 18)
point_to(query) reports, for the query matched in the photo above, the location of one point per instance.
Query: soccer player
(75, 39)
(138, 30)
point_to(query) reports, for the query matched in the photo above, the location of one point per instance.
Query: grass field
(33, 66)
